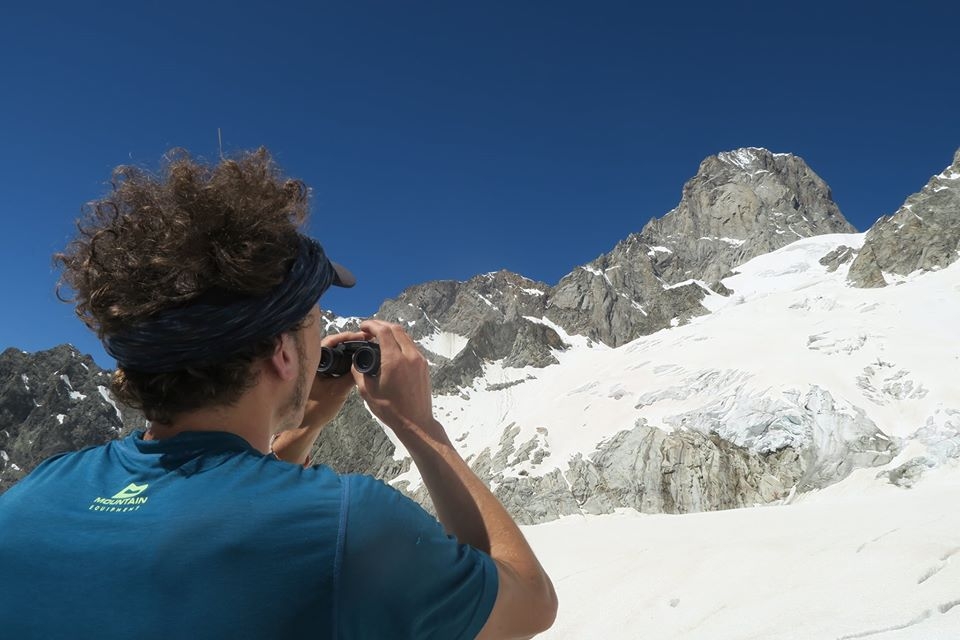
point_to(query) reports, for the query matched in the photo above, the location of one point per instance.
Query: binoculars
(363, 355)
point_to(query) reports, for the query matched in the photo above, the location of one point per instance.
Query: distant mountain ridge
(506, 351)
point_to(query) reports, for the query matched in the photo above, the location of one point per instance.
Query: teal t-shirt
(202, 536)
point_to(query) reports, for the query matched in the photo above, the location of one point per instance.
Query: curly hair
(155, 242)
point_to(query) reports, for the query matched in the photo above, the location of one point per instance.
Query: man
(200, 285)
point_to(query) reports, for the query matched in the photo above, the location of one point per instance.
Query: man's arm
(400, 396)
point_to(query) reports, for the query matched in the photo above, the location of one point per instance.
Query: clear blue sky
(447, 139)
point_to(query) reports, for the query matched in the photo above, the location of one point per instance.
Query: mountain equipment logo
(129, 498)
(132, 490)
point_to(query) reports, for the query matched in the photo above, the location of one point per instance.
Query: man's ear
(283, 362)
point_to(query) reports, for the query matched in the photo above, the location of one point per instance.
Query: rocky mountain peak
(749, 159)
(741, 204)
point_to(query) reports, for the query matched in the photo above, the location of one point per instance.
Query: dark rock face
(489, 314)
(461, 307)
(924, 234)
(52, 402)
(354, 442)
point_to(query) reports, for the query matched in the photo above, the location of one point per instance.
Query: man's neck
(247, 419)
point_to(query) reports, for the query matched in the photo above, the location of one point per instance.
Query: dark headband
(207, 331)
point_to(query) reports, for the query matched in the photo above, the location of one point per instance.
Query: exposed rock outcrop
(354, 442)
(841, 255)
(924, 233)
(52, 402)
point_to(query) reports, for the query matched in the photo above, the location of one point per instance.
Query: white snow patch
(489, 304)
(655, 250)
(26, 381)
(534, 292)
(636, 305)
(105, 393)
(734, 241)
(685, 283)
(597, 272)
(741, 158)
(337, 324)
(444, 343)
(61, 417)
(74, 395)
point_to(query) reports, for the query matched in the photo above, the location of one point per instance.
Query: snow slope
(888, 358)
(860, 559)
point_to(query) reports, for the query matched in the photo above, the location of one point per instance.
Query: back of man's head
(193, 232)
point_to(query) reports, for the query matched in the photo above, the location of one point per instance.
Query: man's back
(202, 536)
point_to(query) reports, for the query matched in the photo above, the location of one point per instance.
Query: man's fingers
(336, 338)
(407, 345)
(383, 332)
(382, 329)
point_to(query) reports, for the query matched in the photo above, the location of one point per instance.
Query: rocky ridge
(923, 234)
(51, 402)
(740, 204)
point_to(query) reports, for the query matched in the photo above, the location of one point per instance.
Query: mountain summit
(741, 204)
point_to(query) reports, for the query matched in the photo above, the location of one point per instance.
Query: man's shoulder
(62, 460)
(62, 471)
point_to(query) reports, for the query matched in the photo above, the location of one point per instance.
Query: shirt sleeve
(400, 575)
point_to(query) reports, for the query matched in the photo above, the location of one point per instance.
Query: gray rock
(924, 234)
(841, 255)
(354, 442)
(461, 307)
(865, 271)
(52, 402)
(907, 474)
(653, 471)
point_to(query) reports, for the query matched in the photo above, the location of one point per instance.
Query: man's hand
(326, 398)
(400, 395)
